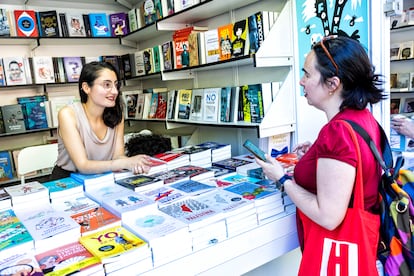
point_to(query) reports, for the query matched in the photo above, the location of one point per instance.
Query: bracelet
(282, 181)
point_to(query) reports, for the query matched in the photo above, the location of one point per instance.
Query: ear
(85, 87)
(333, 83)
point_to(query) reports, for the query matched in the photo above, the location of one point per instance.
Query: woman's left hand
(140, 163)
(272, 168)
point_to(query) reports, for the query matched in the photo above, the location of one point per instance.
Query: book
(184, 103)
(226, 107)
(99, 24)
(162, 99)
(73, 67)
(5, 200)
(26, 23)
(252, 191)
(236, 177)
(139, 182)
(140, 106)
(13, 118)
(6, 166)
(170, 176)
(230, 163)
(163, 195)
(225, 37)
(64, 30)
(211, 104)
(152, 11)
(96, 219)
(34, 112)
(14, 237)
(131, 103)
(181, 48)
(20, 263)
(148, 61)
(63, 187)
(212, 45)
(167, 56)
(156, 57)
(198, 156)
(48, 23)
(139, 64)
(217, 149)
(75, 24)
(173, 159)
(25, 194)
(192, 187)
(167, 7)
(153, 106)
(132, 20)
(110, 243)
(2, 73)
(119, 23)
(406, 50)
(4, 23)
(395, 51)
(254, 95)
(172, 110)
(2, 128)
(197, 100)
(240, 43)
(43, 69)
(15, 70)
(92, 180)
(193, 48)
(74, 204)
(87, 23)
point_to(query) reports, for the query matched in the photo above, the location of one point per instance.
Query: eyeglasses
(109, 85)
(325, 38)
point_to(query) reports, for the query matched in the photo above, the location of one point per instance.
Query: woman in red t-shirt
(339, 80)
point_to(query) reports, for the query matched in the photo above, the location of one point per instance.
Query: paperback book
(74, 204)
(63, 187)
(26, 23)
(48, 23)
(20, 263)
(43, 69)
(73, 68)
(192, 187)
(6, 167)
(184, 103)
(96, 219)
(164, 195)
(99, 25)
(15, 70)
(27, 193)
(75, 25)
(34, 111)
(140, 182)
(119, 23)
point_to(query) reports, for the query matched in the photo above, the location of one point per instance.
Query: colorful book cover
(20, 263)
(172, 104)
(225, 33)
(73, 68)
(170, 176)
(240, 42)
(251, 190)
(164, 194)
(211, 103)
(26, 23)
(112, 242)
(15, 70)
(43, 69)
(76, 25)
(161, 112)
(194, 172)
(12, 232)
(254, 94)
(181, 48)
(138, 182)
(66, 260)
(6, 167)
(225, 104)
(152, 10)
(48, 23)
(13, 118)
(230, 163)
(4, 23)
(63, 186)
(167, 54)
(256, 31)
(156, 58)
(184, 103)
(99, 25)
(148, 61)
(96, 219)
(119, 23)
(239, 178)
(34, 112)
(154, 105)
(246, 105)
(170, 156)
(192, 187)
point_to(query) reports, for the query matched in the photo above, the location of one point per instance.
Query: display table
(239, 254)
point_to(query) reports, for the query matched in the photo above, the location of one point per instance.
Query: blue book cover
(251, 190)
(6, 168)
(192, 187)
(99, 25)
(63, 184)
(34, 112)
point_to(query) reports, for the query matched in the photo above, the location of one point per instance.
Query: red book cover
(96, 219)
(162, 105)
(181, 49)
(168, 156)
(26, 23)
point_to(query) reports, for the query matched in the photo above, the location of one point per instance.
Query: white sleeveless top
(96, 149)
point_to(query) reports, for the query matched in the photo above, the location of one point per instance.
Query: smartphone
(255, 150)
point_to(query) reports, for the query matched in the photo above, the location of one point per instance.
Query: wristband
(282, 181)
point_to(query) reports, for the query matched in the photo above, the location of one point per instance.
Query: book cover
(99, 24)
(64, 30)
(197, 100)
(13, 234)
(131, 103)
(139, 182)
(56, 104)
(5, 200)
(184, 103)
(126, 65)
(148, 61)
(256, 29)
(167, 7)
(27, 192)
(226, 104)
(48, 23)
(230, 163)
(34, 111)
(96, 219)
(167, 56)
(239, 178)
(245, 104)
(395, 51)
(240, 42)
(212, 45)
(211, 103)
(2, 74)
(74, 203)
(73, 68)
(181, 48)
(193, 48)
(43, 69)
(76, 25)
(156, 58)
(154, 105)
(6, 167)
(119, 23)
(161, 111)
(192, 187)
(132, 20)
(254, 94)
(63, 187)
(194, 172)
(15, 70)
(20, 263)
(170, 176)
(225, 36)
(172, 104)
(13, 118)
(87, 24)
(4, 23)
(152, 10)
(140, 106)
(113, 242)
(164, 194)
(26, 23)
(139, 63)
(406, 50)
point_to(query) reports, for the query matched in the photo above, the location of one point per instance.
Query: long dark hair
(112, 116)
(361, 86)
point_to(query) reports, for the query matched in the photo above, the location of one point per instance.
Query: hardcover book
(68, 259)
(211, 104)
(6, 167)
(116, 241)
(43, 69)
(48, 23)
(20, 263)
(119, 23)
(73, 68)
(96, 219)
(184, 103)
(75, 24)
(15, 70)
(26, 23)
(13, 118)
(99, 25)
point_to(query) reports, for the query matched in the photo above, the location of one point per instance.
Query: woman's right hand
(302, 148)
(140, 163)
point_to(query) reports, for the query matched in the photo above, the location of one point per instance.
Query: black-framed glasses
(321, 42)
(109, 85)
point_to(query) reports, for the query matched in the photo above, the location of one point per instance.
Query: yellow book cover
(113, 242)
(184, 103)
(225, 38)
(246, 103)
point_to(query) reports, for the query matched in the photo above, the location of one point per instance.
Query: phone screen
(255, 150)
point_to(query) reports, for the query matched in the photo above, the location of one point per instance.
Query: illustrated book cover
(256, 192)
(20, 263)
(164, 194)
(6, 167)
(167, 56)
(225, 33)
(119, 23)
(139, 182)
(161, 112)
(230, 163)
(4, 23)
(63, 187)
(184, 103)
(75, 24)
(27, 193)
(152, 11)
(99, 24)
(240, 43)
(96, 219)
(43, 69)
(67, 259)
(13, 118)
(194, 172)
(74, 204)
(26, 23)
(34, 111)
(192, 187)
(73, 68)
(15, 70)
(48, 23)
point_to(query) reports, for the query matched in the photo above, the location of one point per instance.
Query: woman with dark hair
(339, 80)
(91, 132)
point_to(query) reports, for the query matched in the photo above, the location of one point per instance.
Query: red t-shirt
(334, 141)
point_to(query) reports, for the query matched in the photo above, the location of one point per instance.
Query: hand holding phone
(255, 150)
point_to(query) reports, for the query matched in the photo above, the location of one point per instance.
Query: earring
(330, 93)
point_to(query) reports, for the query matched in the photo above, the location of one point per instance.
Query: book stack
(74, 204)
(48, 227)
(240, 213)
(69, 259)
(20, 263)
(164, 195)
(235, 178)
(168, 237)
(268, 201)
(23, 195)
(90, 181)
(218, 151)
(230, 163)
(192, 187)
(5, 200)
(62, 188)
(117, 248)
(157, 165)
(173, 159)
(198, 156)
(195, 173)
(14, 236)
(139, 182)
